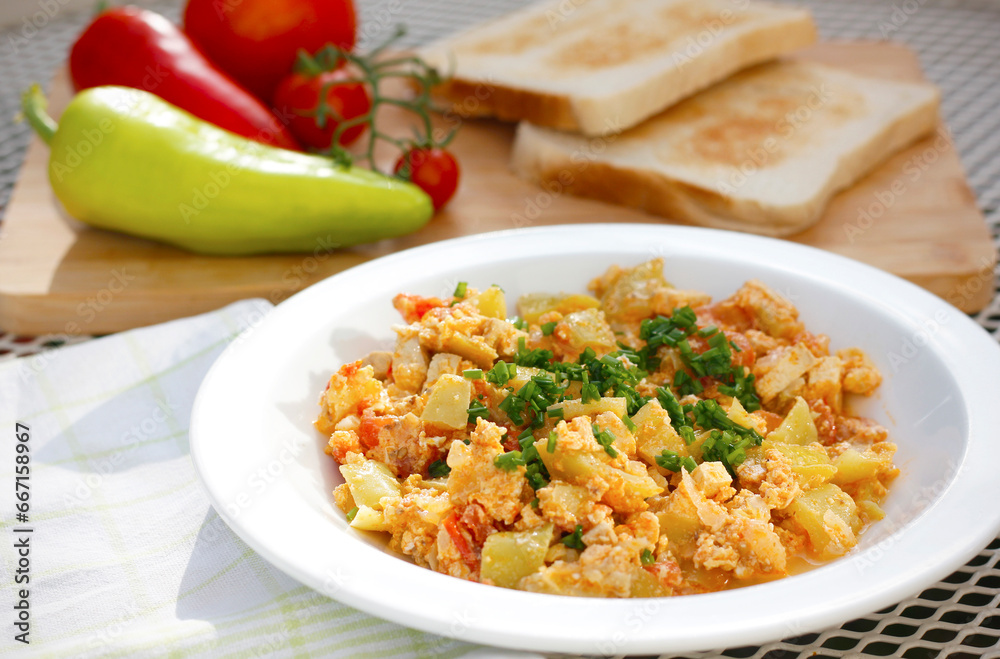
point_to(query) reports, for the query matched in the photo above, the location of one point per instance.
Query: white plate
(264, 467)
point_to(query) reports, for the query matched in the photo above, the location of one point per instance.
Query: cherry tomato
(434, 170)
(297, 99)
(256, 41)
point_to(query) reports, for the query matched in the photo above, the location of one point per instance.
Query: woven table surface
(958, 42)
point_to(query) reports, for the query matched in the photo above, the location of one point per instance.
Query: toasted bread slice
(762, 152)
(600, 66)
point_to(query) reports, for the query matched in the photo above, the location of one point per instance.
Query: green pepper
(123, 159)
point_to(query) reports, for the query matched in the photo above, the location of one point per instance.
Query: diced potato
(531, 307)
(370, 481)
(645, 584)
(369, 519)
(810, 464)
(798, 426)
(853, 466)
(575, 408)
(448, 403)
(829, 517)
(491, 303)
(509, 556)
(586, 329)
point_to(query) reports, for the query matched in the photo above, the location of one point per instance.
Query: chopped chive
(550, 446)
(352, 513)
(548, 328)
(647, 557)
(439, 469)
(461, 289)
(473, 374)
(508, 461)
(629, 423)
(478, 411)
(574, 540)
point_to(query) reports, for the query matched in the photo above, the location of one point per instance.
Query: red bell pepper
(133, 47)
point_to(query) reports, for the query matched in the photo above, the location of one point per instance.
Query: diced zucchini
(588, 329)
(853, 466)
(738, 414)
(509, 556)
(474, 349)
(572, 466)
(533, 306)
(409, 362)
(523, 376)
(681, 530)
(369, 519)
(631, 295)
(568, 497)
(579, 467)
(645, 584)
(441, 363)
(448, 404)
(870, 511)
(829, 517)
(575, 408)
(798, 426)
(655, 435)
(810, 464)
(369, 482)
(491, 303)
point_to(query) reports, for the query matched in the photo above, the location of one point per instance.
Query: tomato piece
(413, 307)
(256, 41)
(433, 169)
(469, 556)
(369, 427)
(297, 99)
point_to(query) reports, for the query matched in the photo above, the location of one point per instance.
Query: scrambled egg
(641, 442)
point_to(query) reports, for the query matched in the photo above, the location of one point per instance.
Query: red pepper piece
(134, 47)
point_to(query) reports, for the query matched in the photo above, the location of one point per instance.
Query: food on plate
(257, 41)
(344, 99)
(641, 441)
(138, 48)
(602, 66)
(126, 160)
(763, 151)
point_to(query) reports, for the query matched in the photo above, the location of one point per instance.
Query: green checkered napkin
(128, 558)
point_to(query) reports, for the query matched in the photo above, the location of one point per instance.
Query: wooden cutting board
(915, 216)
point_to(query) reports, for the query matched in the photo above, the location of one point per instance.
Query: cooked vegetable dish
(642, 441)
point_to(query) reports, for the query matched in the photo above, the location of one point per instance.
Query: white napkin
(127, 557)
